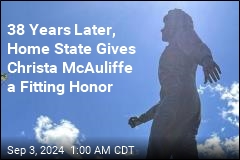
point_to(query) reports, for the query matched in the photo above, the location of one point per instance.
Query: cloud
(64, 134)
(214, 148)
(232, 145)
(228, 94)
(211, 148)
(201, 89)
(23, 133)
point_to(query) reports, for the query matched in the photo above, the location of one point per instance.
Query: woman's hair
(178, 19)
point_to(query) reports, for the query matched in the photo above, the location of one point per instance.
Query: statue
(176, 117)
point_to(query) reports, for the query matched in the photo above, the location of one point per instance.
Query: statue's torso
(177, 71)
(179, 97)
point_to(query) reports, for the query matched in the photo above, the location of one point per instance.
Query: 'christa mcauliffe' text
(106, 67)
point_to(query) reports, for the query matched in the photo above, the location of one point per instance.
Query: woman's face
(168, 32)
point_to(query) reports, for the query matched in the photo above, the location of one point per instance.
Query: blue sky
(105, 115)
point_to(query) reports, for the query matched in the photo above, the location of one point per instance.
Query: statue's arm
(143, 118)
(192, 45)
(149, 115)
(189, 42)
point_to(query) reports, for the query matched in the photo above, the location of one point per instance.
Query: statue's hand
(134, 121)
(211, 71)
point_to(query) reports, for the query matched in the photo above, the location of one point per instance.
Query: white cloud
(230, 95)
(201, 89)
(211, 148)
(22, 133)
(232, 145)
(204, 121)
(64, 134)
(214, 147)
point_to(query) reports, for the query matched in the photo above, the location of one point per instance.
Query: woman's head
(175, 21)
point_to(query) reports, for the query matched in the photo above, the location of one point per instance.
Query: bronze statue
(176, 117)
